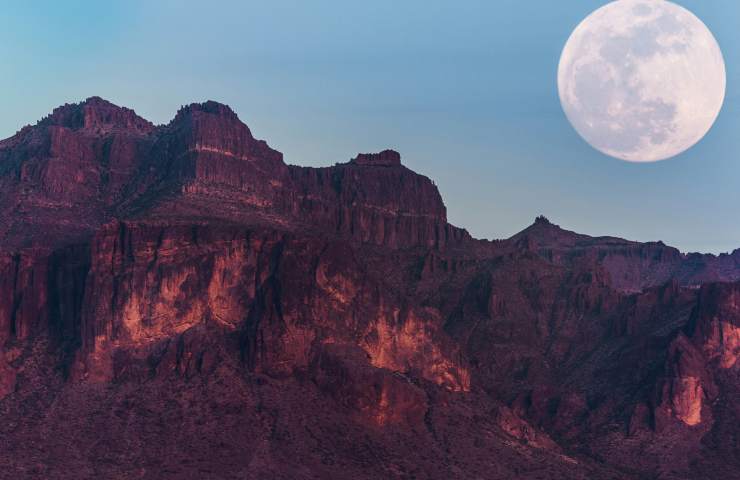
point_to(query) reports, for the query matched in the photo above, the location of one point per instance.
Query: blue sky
(466, 91)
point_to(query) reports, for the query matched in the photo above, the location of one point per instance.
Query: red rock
(716, 323)
(378, 395)
(296, 322)
(386, 158)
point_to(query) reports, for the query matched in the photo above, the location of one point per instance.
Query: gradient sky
(465, 90)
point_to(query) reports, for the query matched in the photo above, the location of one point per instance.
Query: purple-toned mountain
(177, 302)
(632, 266)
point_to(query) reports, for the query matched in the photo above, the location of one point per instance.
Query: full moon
(642, 80)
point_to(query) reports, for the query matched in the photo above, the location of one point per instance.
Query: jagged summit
(204, 162)
(543, 231)
(97, 114)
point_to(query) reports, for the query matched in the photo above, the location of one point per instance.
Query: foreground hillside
(177, 302)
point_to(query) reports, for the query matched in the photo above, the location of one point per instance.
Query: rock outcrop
(178, 302)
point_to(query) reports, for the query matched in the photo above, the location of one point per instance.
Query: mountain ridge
(181, 291)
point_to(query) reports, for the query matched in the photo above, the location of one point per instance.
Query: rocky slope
(177, 302)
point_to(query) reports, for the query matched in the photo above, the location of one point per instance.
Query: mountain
(177, 302)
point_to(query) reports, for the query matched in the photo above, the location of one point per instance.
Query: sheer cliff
(178, 302)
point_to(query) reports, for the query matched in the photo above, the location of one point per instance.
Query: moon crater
(642, 80)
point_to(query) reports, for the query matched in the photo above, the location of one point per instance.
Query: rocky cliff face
(177, 302)
(60, 178)
(374, 199)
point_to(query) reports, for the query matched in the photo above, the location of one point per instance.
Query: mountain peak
(213, 128)
(209, 107)
(96, 114)
(543, 225)
(544, 233)
(386, 158)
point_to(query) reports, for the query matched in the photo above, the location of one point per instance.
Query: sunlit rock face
(717, 327)
(642, 80)
(182, 281)
(688, 384)
(414, 343)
